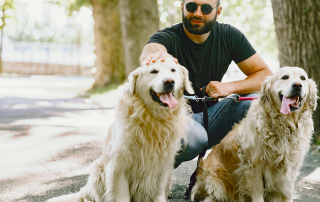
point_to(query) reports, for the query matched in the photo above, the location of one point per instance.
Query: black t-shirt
(208, 61)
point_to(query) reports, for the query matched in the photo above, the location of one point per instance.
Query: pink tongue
(169, 100)
(285, 105)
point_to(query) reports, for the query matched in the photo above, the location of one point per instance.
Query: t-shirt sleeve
(241, 48)
(164, 38)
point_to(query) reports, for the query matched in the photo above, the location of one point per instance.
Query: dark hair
(218, 2)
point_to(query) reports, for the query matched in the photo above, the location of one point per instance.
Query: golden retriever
(260, 157)
(140, 147)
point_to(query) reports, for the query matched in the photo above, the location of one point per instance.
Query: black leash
(205, 98)
(203, 153)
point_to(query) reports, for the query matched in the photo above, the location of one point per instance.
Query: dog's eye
(173, 70)
(302, 78)
(285, 77)
(154, 71)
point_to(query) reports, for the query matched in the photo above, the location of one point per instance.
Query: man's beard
(195, 29)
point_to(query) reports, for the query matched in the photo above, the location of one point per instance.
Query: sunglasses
(206, 9)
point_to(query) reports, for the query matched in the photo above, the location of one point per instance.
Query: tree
(121, 28)
(139, 20)
(297, 24)
(6, 5)
(108, 42)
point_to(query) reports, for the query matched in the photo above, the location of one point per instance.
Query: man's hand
(217, 89)
(153, 57)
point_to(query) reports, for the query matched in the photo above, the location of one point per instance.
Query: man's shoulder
(168, 37)
(174, 31)
(223, 27)
(226, 29)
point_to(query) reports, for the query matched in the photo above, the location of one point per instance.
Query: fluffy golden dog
(260, 158)
(140, 147)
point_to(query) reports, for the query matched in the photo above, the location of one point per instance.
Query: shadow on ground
(66, 185)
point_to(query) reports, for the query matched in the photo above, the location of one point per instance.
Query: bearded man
(206, 48)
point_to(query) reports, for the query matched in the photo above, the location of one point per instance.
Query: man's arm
(152, 52)
(256, 70)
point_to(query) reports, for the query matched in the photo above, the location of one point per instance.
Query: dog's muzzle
(293, 102)
(168, 84)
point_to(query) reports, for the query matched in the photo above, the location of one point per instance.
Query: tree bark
(297, 24)
(108, 42)
(139, 20)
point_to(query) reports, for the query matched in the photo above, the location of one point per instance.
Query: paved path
(48, 139)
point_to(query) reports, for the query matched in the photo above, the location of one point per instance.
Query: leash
(237, 98)
(205, 98)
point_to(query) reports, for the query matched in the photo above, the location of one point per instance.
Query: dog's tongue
(169, 100)
(285, 105)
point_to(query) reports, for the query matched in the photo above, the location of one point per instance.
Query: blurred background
(87, 47)
(42, 37)
(63, 64)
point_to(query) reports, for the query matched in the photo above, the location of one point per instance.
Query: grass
(102, 89)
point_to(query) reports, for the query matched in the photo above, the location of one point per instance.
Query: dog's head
(160, 82)
(289, 90)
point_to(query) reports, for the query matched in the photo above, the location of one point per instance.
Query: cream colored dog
(140, 147)
(260, 158)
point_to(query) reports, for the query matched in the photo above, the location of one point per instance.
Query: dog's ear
(265, 92)
(312, 97)
(186, 82)
(132, 79)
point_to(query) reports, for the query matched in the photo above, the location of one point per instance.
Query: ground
(49, 136)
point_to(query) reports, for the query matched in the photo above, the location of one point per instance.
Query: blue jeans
(221, 118)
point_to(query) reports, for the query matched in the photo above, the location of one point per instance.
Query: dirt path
(49, 138)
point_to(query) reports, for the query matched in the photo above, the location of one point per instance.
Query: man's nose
(198, 11)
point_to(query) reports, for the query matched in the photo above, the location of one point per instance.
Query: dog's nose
(168, 83)
(297, 86)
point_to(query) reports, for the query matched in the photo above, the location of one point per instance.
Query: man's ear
(218, 12)
(132, 79)
(186, 82)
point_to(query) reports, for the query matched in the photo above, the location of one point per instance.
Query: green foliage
(255, 19)
(72, 5)
(52, 23)
(75, 5)
(307, 9)
(78, 4)
(6, 7)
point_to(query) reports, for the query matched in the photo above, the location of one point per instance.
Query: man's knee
(197, 140)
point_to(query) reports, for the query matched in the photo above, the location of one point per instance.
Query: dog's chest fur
(150, 139)
(279, 145)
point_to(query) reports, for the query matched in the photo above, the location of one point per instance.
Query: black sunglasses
(206, 9)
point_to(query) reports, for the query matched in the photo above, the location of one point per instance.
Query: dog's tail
(76, 197)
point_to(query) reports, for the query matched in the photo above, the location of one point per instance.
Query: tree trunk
(297, 24)
(139, 20)
(108, 42)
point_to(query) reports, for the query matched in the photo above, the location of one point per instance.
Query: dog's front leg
(165, 179)
(123, 189)
(117, 188)
(257, 182)
(288, 186)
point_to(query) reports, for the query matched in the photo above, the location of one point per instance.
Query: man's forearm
(252, 83)
(257, 70)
